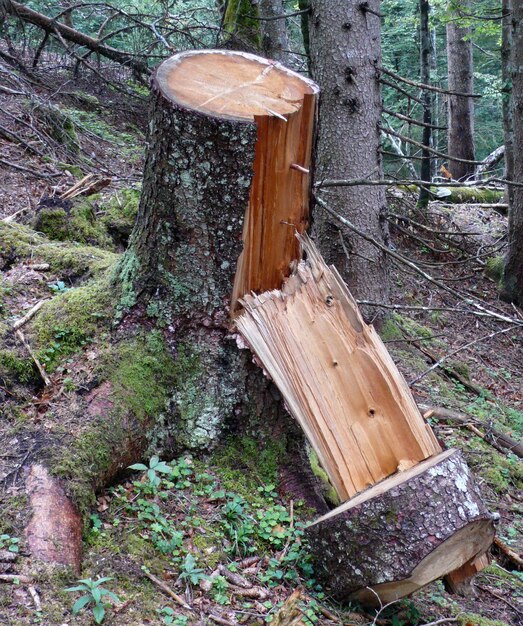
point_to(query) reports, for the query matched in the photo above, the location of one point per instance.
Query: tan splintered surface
(232, 84)
(336, 376)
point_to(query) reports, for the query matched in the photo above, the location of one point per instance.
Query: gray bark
(181, 260)
(384, 538)
(425, 60)
(461, 79)
(275, 41)
(513, 274)
(345, 50)
(508, 126)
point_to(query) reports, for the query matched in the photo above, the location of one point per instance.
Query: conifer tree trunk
(513, 274)
(460, 79)
(425, 50)
(275, 40)
(345, 50)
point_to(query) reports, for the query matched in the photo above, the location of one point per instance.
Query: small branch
(510, 554)
(29, 315)
(20, 336)
(28, 171)
(167, 590)
(299, 168)
(221, 620)
(456, 351)
(405, 93)
(418, 270)
(487, 184)
(428, 87)
(14, 578)
(410, 120)
(427, 149)
(35, 596)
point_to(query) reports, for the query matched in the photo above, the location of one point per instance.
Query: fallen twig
(35, 596)
(221, 620)
(178, 599)
(16, 579)
(499, 597)
(510, 554)
(500, 439)
(456, 351)
(41, 370)
(29, 315)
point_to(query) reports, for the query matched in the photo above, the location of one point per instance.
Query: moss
(459, 367)
(329, 491)
(124, 276)
(120, 213)
(14, 368)
(70, 320)
(464, 195)
(59, 125)
(19, 242)
(141, 372)
(390, 330)
(241, 19)
(494, 268)
(472, 619)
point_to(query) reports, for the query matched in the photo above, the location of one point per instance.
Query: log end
(402, 533)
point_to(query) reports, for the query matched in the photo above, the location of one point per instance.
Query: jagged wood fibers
(337, 377)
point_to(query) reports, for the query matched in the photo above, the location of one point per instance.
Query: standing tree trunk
(425, 60)
(345, 50)
(506, 75)
(275, 40)
(460, 79)
(513, 274)
(241, 23)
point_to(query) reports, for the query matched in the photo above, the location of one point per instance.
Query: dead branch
(411, 120)
(29, 315)
(456, 351)
(428, 87)
(34, 173)
(486, 184)
(402, 91)
(510, 554)
(470, 300)
(20, 336)
(167, 590)
(51, 26)
(16, 579)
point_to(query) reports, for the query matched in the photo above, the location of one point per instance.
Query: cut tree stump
(412, 512)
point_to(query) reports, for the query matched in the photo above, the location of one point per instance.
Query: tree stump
(403, 533)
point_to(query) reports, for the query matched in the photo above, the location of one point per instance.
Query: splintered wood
(279, 201)
(336, 376)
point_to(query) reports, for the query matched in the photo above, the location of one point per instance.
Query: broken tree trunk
(229, 133)
(413, 513)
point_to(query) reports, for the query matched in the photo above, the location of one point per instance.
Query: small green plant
(93, 597)
(155, 467)
(219, 590)
(190, 572)
(58, 287)
(9, 543)
(170, 618)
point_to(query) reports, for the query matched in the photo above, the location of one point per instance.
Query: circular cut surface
(234, 85)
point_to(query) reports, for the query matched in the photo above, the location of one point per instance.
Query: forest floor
(220, 532)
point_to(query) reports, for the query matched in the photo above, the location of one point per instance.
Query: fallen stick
(178, 599)
(221, 620)
(29, 315)
(16, 579)
(36, 597)
(510, 554)
(501, 440)
(41, 370)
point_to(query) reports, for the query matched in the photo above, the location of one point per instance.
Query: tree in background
(513, 274)
(426, 97)
(275, 39)
(345, 51)
(461, 79)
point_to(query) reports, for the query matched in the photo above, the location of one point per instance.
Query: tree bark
(345, 54)
(209, 162)
(506, 77)
(460, 78)
(275, 40)
(426, 96)
(403, 533)
(513, 274)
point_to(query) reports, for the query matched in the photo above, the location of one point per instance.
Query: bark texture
(345, 53)
(461, 79)
(506, 69)
(275, 40)
(426, 96)
(391, 537)
(513, 274)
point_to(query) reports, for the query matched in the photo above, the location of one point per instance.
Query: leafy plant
(219, 590)
(58, 287)
(190, 572)
(9, 543)
(155, 467)
(93, 597)
(170, 618)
